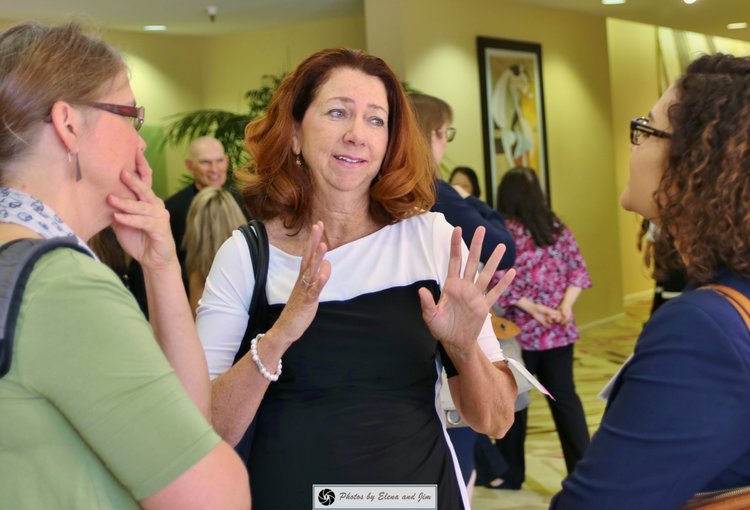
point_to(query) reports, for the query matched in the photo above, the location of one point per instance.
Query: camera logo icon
(326, 497)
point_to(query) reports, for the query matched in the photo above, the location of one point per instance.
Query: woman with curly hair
(678, 413)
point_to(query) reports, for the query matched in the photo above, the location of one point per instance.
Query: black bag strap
(17, 259)
(257, 242)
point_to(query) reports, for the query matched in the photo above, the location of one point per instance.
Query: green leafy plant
(227, 127)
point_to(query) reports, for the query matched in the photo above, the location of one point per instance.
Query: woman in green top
(92, 415)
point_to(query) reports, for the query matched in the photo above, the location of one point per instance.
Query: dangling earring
(78, 168)
(298, 160)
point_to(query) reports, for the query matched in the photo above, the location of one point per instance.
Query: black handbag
(257, 242)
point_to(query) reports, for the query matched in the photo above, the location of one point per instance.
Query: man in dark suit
(207, 163)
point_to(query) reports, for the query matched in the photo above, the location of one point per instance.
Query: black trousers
(554, 369)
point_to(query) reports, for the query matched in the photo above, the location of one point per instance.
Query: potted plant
(227, 127)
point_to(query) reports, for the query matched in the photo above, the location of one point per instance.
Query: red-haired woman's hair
(273, 185)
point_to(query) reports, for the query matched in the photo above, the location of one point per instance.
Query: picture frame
(513, 122)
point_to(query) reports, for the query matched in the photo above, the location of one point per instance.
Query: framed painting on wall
(513, 127)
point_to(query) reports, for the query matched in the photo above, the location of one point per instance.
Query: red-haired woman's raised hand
(465, 301)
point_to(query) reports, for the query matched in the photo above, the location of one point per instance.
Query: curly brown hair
(704, 194)
(273, 185)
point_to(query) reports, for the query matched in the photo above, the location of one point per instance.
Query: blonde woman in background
(212, 217)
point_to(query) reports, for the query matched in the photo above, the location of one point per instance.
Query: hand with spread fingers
(141, 221)
(463, 306)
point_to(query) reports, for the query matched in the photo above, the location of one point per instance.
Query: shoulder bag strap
(257, 242)
(737, 498)
(16, 263)
(736, 299)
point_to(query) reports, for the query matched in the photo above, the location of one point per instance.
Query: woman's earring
(78, 168)
(298, 160)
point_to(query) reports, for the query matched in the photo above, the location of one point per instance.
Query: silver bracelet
(261, 367)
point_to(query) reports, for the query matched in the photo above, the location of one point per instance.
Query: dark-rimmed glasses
(449, 133)
(639, 130)
(136, 113)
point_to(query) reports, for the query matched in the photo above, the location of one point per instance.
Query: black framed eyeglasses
(449, 133)
(640, 130)
(136, 113)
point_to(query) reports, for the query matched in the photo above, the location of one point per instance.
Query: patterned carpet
(598, 355)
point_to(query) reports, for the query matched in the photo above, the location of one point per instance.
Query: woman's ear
(66, 121)
(296, 142)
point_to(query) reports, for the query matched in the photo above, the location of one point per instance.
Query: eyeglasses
(136, 113)
(640, 130)
(449, 132)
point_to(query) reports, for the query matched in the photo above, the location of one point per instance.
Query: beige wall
(633, 71)
(236, 63)
(162, 69)
(173, 74)
(439, 58)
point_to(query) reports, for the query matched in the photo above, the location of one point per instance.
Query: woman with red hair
(369, 296)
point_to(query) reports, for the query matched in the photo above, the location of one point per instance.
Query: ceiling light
(689, 1)
(737, 26)
(612, 2)
(155, 28)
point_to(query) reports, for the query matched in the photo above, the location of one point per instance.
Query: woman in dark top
(678, 413)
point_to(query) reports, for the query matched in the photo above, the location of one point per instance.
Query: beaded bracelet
(261, 367)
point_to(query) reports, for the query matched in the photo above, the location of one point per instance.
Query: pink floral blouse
(542, 275)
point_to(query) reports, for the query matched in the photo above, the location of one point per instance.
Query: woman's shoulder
(73, 277)
(427, 223)
(233, 255)
(709, 299)
(516, 226)
(700, 314)
(698, 333)
(67, 263)
(521, 236)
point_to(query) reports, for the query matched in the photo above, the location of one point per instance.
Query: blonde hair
(212, 217)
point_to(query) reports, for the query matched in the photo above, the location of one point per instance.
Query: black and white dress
(357, 400)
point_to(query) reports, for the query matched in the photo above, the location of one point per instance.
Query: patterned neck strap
(27, 211)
